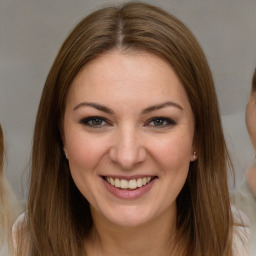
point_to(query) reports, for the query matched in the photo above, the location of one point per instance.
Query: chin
(129, 222)
(131, 217)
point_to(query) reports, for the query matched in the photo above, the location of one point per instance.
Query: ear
(194, 153)
(194, 156)
(65, 153)
(62, 135)
(64, 145)
(194, 149)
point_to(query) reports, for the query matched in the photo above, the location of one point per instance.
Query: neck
(153, 238)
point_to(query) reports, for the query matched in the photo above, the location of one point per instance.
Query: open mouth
(129, 184)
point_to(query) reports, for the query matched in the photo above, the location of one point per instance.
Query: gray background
(31, 32)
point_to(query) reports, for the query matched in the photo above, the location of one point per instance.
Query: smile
(129, 184)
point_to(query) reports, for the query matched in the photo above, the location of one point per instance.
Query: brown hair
(58, 215)
(254, 81)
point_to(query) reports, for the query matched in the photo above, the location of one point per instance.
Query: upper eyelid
(108, 122)
(170, 120)
(161, 117)
(87, 119)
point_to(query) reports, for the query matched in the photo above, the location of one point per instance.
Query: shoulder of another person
(21, 219)
(241, 233)
(18, 231)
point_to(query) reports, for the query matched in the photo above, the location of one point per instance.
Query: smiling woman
(128, 144)
(141, 154)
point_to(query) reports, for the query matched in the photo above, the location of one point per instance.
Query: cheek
(251, 120)
(173, 153)
(173, 156)
(84, 152)
(84, 156)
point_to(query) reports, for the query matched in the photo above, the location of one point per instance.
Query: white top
(5, 245)
(4, 249)
(240, 244)
(241, 233)
(246, 202)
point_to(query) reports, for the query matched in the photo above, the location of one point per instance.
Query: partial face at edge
(128, 122)
(251, 118)
(1, 149)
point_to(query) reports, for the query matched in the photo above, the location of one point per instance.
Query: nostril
(127, 151)
(113, 154)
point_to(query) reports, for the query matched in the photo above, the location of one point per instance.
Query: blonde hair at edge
(58, 216)
(9, 208)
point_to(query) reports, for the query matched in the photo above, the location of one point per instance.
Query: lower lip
(128, 193)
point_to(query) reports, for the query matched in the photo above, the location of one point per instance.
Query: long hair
(9, 206)
(58, 215)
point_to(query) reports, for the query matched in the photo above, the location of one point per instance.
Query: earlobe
(194, 156)
(64, 147)
(194, 148)
(65, 153)
(65, 150)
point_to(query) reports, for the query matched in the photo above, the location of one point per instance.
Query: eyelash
(89, 121)
(160, 122)
(164, 122)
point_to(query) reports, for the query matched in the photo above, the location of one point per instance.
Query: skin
(126, 141)
(251, 126)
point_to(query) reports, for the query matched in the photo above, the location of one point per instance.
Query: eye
(94, 122)
(160, 122)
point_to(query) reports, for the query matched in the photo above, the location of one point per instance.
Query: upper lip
(129, 177)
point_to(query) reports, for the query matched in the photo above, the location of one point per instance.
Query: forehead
(125, 77)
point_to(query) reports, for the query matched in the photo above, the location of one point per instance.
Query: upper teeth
(128, 184)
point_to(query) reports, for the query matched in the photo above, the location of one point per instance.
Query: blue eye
(160, 122)
(94, 121)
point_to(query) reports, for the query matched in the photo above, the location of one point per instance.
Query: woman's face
(251, 118)
(128, 135)
(1, 149)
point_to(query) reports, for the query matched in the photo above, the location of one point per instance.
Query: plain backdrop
(31, 32)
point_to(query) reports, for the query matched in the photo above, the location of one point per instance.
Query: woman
(245, 197)
(9, 208)
(128, 143)
(251, 126)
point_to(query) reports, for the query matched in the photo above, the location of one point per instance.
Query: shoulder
(244, 199)
(4, 236)
(241, 233)
(246, 202)
(19, 222)
(19, 234)
(241, 241)
(251, 179)
(4, 250)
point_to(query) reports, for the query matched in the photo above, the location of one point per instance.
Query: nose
(128, 149)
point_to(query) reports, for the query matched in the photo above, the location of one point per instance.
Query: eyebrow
(145, 111)
(160, 106)
(94, 105)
